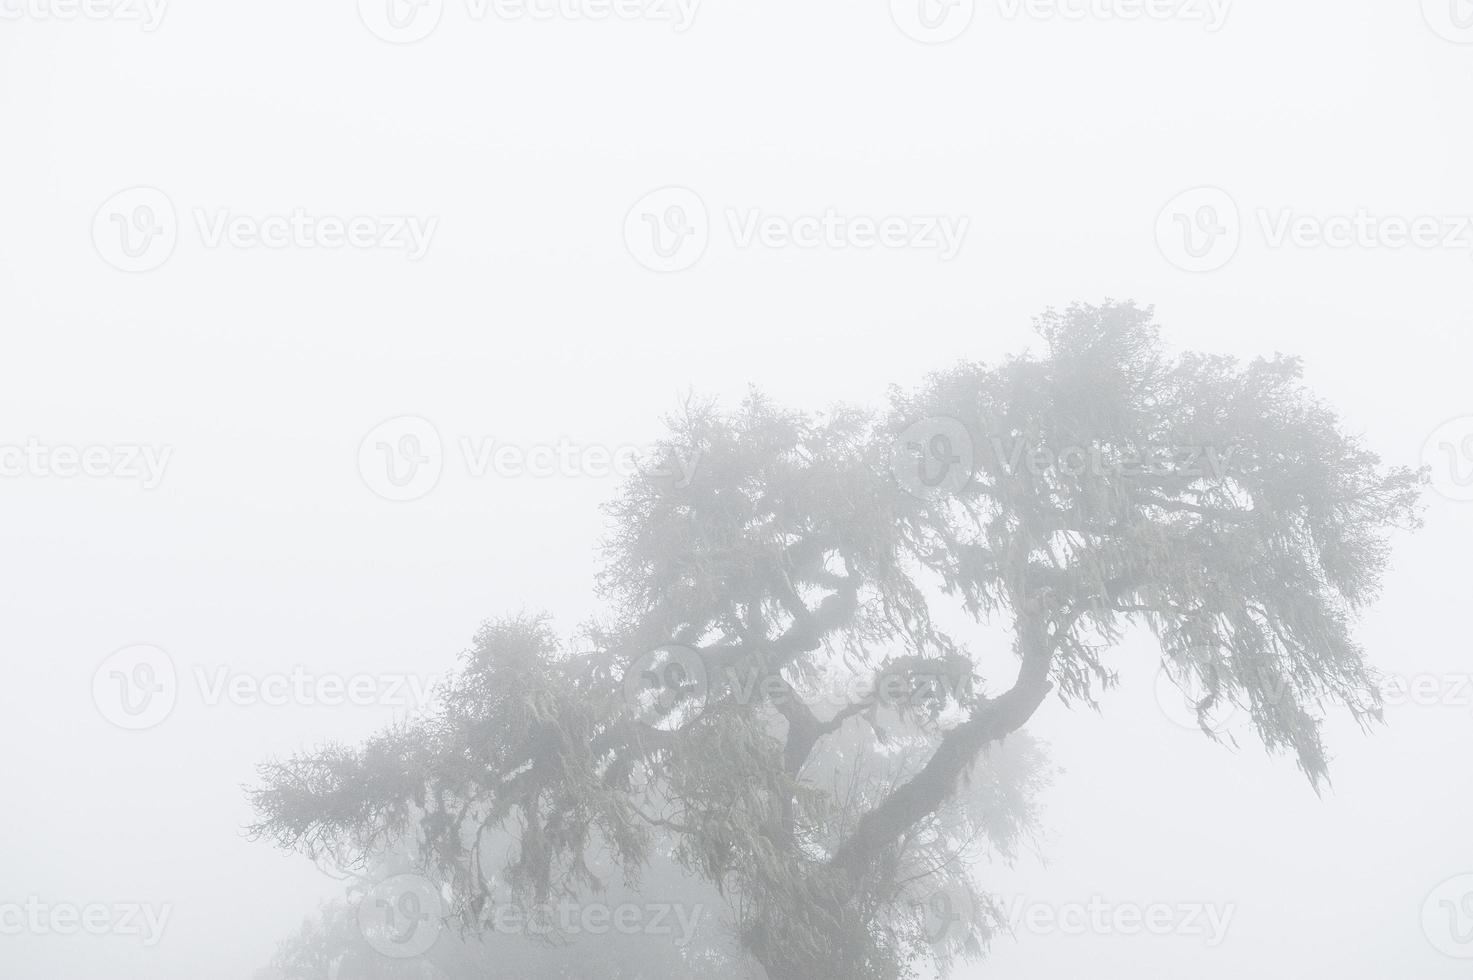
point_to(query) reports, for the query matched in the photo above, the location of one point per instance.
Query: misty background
(530, 321)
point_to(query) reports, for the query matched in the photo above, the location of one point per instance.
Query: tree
(677, 932)
(1069, 496)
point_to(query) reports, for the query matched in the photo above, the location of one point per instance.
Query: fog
(499, 286)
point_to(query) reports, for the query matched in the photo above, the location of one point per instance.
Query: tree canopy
(1068, 495)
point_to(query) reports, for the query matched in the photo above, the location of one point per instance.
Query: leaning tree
(1067, 496)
